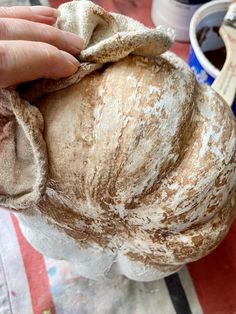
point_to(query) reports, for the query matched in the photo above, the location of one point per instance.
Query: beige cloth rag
(108, 37)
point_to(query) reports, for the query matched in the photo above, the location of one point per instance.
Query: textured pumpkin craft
(129, 165)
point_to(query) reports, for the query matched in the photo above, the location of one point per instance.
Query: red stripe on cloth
(56, 3)
(214, 277)
(36, 274)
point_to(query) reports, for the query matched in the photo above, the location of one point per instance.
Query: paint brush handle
(225, 83)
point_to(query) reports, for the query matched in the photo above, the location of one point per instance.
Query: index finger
(41, 14)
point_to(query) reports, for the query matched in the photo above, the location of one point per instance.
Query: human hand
(30, 48)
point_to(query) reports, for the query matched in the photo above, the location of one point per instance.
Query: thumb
(22, 61)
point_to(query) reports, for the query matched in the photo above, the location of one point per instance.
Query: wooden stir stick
(225, 83)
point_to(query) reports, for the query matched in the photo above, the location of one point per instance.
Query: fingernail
(45, 11)
(74, 40)
(70, 58)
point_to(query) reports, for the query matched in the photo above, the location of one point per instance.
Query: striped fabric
(33, 284)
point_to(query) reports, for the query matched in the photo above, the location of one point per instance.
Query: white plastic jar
(175, 14)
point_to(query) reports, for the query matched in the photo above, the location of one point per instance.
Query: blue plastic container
(210, 14)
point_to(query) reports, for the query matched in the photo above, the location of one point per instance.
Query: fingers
(39, 14)
(22, 61)
(16, 29)
(29, 49)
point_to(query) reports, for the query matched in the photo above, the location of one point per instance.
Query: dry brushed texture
(151, 160)
(141, 159)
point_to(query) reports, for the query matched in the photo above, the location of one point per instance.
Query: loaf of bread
(129, 166)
